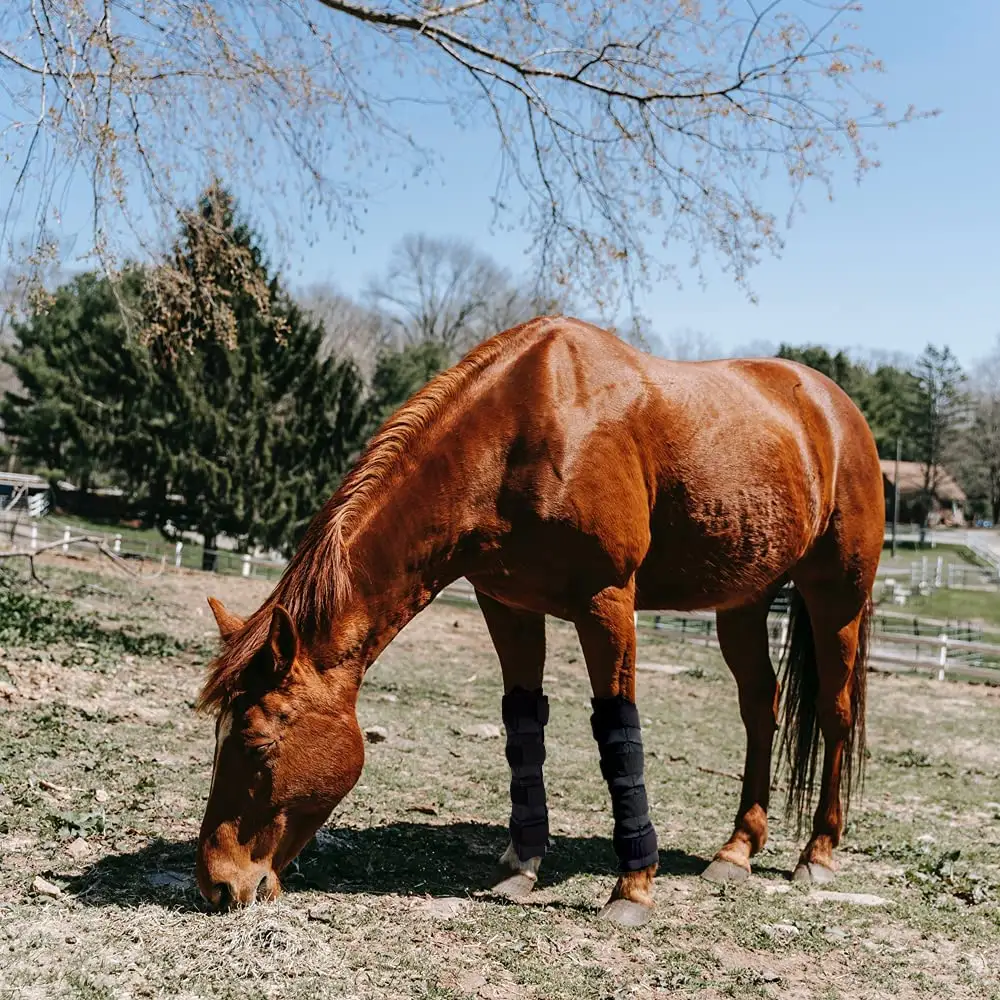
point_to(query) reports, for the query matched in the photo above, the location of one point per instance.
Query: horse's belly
(731, 555)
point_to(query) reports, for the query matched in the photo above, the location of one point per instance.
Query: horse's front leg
(607, 635)
(519, 638)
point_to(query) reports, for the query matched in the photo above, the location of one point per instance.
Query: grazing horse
(565, 473)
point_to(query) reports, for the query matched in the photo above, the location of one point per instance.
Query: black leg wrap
(524, 716)
(615, 723)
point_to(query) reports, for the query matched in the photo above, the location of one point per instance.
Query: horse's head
(288, 749)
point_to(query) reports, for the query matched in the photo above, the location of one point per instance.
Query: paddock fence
(901, 643)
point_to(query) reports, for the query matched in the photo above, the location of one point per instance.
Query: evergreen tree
(936, 411)
(258, 427)
(398, 375)
(839, 367)
(83, 376)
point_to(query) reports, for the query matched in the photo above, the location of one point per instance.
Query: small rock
(484, 731)
(445, 908)
(88, 661)
(101, 795)
(70, 939)
(770, 977)
(78, 849)
(774, 888)
(471, 982)
(926, 838)
(376, 734)
(389, 697)
(856, 898)
(835, 934)
(427, 810)
(991, 805)
(456, 625)
(780, 930)
(45, 888)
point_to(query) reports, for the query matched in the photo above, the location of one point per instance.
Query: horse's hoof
(626, 913)
(813, 873)
(723, 872)
(514, 885)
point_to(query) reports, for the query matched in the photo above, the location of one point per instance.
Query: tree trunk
(209, 557)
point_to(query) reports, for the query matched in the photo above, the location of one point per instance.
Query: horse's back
(716, 478)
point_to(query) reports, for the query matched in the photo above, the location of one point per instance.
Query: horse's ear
(283, 637)
(228, 623)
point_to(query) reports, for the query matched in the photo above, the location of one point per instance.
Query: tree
(258, 424)
(938, 408)
(838, 367)
(80, 377)
(444, 291)
(398, 375)
(622, 126)
(887, 397)
(350, 330)
(982, 443)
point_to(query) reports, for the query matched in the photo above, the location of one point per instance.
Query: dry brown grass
(104, 769)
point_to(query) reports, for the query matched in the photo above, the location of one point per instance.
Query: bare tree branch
(626, 129)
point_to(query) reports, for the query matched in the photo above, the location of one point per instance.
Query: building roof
(911, 480)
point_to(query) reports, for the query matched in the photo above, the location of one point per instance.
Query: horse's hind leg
(519, 638)
(839, 626)
(607, 636)
(743, 639)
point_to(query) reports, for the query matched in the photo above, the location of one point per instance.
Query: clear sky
(907, 257)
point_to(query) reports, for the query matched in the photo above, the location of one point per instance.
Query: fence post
(246, 572)
(34, 537)
(177, 554)
(923, 569)
(118, 543)
(66, 537)
(943, 656)
(939, 572)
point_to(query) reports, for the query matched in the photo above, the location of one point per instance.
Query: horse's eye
(260, 748)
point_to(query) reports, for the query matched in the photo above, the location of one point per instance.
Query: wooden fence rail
(940, 654)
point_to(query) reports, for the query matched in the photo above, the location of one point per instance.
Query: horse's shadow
(452, 859)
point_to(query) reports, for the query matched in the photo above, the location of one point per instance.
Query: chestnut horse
(565, 473)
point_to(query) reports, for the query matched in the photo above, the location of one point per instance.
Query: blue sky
(907, 257)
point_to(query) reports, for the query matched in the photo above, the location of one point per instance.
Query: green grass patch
(958, 605)
(28, 618)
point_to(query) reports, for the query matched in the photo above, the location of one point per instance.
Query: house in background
(946, 505)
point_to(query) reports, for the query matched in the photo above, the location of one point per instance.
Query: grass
(957, 605)
(103, 775)
(906, 552)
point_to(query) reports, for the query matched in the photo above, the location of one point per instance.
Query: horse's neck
(399, 559)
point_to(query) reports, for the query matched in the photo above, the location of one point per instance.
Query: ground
(104, 768)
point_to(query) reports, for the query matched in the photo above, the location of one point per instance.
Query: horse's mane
(317, 580)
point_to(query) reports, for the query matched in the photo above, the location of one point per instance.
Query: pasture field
(104, 769)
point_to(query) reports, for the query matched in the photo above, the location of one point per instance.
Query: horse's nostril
(225, 899)
(260, 893)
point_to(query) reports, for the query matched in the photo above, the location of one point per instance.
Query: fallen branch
(95, 540)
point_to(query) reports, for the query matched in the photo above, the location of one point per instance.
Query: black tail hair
(799, 748)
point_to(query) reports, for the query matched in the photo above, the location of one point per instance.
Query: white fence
(938, 650)
(18, 532)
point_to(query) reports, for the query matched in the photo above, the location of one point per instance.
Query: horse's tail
(799, 748)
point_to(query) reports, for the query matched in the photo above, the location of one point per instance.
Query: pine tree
(937, 410)
(83, 374)
(259, 426)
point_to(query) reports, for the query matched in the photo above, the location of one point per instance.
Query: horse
(566, 473)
